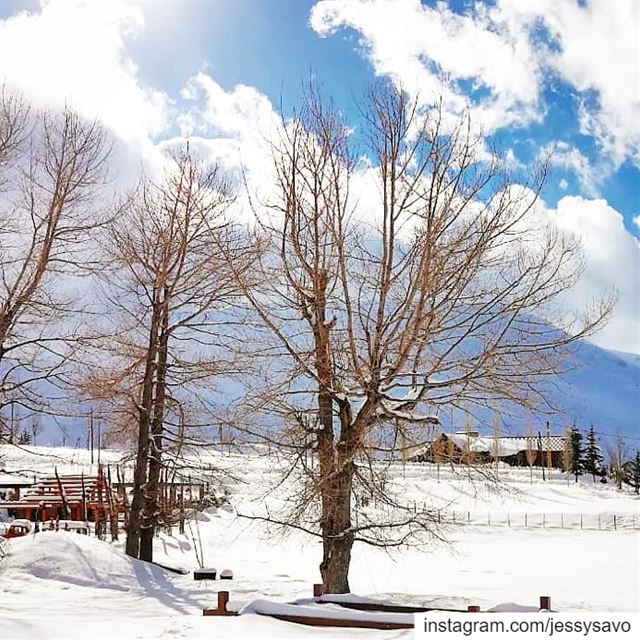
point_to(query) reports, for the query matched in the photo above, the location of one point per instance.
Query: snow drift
(80, 560)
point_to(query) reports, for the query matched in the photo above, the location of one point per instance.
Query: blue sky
(536, 75)
(270, 45)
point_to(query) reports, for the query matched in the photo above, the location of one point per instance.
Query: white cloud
(561, 154)
(401, 37)
(73, 51)
(612, 261)
(597, 50)
(498, 51)
(235, 128)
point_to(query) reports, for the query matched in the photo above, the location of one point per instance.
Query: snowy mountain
(602, 389)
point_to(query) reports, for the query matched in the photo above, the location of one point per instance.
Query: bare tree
(618, 454)
(168, 295)
(496, 445)
(567, 453)
(52, 170)
(430, 297)
(531, 451)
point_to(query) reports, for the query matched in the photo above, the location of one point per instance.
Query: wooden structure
(12, 485)
(297, 613)
(175, 496)
(223, 600)
(74, 497)
(471, 448)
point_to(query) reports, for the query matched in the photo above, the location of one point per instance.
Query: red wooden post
(223, 599)
(473, 608)
(318, 590)
(545, 602)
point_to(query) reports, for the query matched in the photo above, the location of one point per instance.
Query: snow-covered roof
(505, 445)
(10, 480)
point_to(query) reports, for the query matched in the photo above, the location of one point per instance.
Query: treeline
(584, 456)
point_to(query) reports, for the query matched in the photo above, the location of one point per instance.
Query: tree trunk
(151, 509)
(337, 536)
(132, 547)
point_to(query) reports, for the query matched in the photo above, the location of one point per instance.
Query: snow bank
(79, 560)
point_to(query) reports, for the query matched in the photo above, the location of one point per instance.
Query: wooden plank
(215, 612)
(386, 608)
(317, 621)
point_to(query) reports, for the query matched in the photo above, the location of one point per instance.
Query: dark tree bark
(152, 505)
(132, 546)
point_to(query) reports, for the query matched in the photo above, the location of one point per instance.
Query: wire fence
(558, 520)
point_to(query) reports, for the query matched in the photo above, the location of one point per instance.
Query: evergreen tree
(592, 455)
(24, 437)
(635, 472)
(577, 453)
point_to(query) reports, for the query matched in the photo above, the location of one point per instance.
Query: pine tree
(635, 472)
(592, 455)
(577, 453)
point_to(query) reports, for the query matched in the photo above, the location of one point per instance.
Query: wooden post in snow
(113, 507)
(181, 525)
(63, 497)
(84, 498)
(100, 519)
(125, 498)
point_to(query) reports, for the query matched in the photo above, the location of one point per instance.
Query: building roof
(11, 481)
(505, 445)
(47, 492)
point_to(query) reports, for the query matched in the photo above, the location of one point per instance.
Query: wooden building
(12, 485)
(518, 451)
(84, 498)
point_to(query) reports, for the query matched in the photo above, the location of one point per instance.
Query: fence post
(599, 522)
(223, 599)
(581, 521)
(615, 526)
(545, 602)
(544, 520)
(473, 608)
(488, 518)
(468, 517)
(318, 590)
(526, 520)
(562, 520)
(508, 520)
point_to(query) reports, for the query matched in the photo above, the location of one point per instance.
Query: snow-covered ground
(58, 585)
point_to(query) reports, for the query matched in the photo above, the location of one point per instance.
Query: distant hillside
(603, 390)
